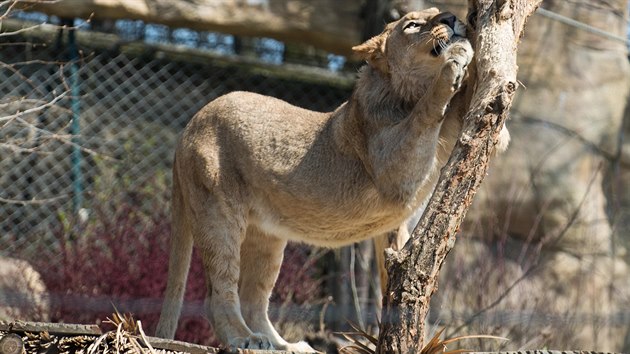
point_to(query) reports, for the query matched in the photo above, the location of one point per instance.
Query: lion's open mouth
(440, 45)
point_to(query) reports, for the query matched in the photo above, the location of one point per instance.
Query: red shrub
(120, 258)
(297, 281)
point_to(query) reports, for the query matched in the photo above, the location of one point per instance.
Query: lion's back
(250, 132)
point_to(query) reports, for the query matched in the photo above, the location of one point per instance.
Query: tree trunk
(414, 270)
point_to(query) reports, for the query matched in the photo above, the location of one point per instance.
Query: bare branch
(579, 137)
(555, 238)
(353, 287)
(22, 30)
(19, 149)
(33, 110)
(29, 101)
(26, 3)
(26, 79)
(65, 139)
(10, 7)
(34, 201)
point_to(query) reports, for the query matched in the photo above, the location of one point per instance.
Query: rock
(23, 294)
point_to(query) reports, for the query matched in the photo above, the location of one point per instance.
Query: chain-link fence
(113, 105)
(89, 117)
(88, 125)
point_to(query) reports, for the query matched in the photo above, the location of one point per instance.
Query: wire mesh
(131, 107)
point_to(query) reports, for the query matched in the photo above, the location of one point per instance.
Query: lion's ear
(373, 51)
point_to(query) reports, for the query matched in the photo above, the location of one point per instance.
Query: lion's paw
(458, 55)
(300, 347)
(255, 341)
(461, 52)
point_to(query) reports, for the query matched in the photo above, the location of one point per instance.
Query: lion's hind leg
(261, 258)
(218, 230)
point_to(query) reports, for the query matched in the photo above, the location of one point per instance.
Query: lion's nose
(446, 18)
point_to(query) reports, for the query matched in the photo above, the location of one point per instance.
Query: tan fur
(252, 172)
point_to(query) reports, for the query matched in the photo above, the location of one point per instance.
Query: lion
(252, 172)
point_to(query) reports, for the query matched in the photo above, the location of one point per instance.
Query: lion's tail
(179, 264)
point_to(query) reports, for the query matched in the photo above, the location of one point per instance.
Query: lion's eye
(411, 25)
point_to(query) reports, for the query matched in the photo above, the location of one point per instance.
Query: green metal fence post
(75, 126)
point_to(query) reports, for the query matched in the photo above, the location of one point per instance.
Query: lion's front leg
(432, 106)
(404, 156)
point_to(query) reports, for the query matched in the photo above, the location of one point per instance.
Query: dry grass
(364, 343)
(127, 338)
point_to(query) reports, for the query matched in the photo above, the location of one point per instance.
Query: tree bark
(414, 270)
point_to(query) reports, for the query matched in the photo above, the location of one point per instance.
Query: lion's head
(409, 50)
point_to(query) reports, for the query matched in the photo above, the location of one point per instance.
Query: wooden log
(62, 328)
(107, 41)
(332, 25)
(11, 332)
